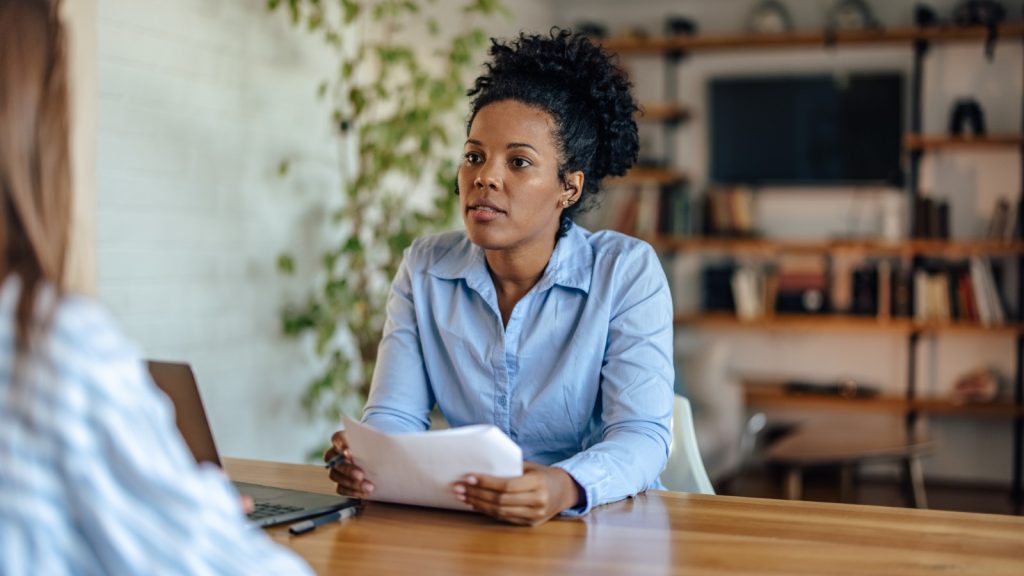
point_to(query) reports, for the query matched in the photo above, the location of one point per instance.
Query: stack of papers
(420, 468)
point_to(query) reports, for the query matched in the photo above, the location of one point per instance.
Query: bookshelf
(659, 176)
(927, 142)
(772, 394)
(838, 323)
(770, 247)
(659, 45)
(663, 112)
(912, 254)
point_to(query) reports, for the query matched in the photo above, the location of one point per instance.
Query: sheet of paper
(419, 468)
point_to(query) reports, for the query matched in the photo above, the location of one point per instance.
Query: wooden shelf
(662, 112)
(944, 142)
(835, 323)
(771, 394)
(939, 248)
(669, 44)
(659, 176)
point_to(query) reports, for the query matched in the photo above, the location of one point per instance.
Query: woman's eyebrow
(508, 146)
(512, 145)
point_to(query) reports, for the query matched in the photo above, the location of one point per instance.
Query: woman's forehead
(509, 122)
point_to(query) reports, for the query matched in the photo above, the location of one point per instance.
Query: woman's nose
(488, 178)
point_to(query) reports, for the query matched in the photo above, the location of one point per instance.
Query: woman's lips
(484, 212)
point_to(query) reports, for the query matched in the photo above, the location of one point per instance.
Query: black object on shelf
(680, 26)
(967, 111)
(716, 288)
(925, 16)
(846, 388)
(592, 29)
(987, 13)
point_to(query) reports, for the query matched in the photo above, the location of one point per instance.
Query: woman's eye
(472, 158)
(520, 162)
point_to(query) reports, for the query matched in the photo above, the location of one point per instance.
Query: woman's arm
(400, 396)
(636, 388)
(136, 495)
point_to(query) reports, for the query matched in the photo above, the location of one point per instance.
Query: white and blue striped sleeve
(138, 497)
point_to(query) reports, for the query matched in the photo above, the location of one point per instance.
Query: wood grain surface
(654, 533)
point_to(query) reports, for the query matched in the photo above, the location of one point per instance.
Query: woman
(94, 477)
(560, 337)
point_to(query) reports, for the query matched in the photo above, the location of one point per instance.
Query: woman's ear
(573, 188)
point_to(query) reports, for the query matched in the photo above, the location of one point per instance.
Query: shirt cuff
(590, 475)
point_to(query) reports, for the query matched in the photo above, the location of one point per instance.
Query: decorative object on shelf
(592, 29)
(1004, 224)
(680, 26)
(925, 16)
(987, 13)
(848, 15)
(891, 210)
(980, 385)
(967, 110)
(769, 17)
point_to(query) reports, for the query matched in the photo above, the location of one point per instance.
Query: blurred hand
(531, 499)
(350, 478)
(247, 504)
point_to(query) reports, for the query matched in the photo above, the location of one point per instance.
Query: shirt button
(501, 401)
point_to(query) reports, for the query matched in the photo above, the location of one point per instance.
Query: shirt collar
(570, 265)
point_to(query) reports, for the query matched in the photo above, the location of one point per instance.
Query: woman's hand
(531, 499)
(350, 478)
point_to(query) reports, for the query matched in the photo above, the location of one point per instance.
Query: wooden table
(655, 533)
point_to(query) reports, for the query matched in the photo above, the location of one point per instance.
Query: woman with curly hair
(560, 337)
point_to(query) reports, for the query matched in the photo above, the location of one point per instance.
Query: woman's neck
(514, 273)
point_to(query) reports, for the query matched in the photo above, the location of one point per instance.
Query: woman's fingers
(350, 478)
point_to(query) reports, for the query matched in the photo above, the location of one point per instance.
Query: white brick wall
(198, 101)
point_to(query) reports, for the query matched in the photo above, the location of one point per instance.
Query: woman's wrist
(572, 494)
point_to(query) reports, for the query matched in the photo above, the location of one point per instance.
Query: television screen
(821, 129)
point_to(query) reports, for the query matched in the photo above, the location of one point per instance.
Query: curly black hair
(584, 91)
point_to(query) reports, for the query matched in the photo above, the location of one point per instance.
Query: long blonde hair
(35, 178)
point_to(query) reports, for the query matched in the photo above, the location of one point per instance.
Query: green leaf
(321, 90)
(352, 245)
(286, 264)
(282, 168)
(351, 10)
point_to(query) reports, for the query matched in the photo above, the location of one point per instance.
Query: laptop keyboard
(266, 510)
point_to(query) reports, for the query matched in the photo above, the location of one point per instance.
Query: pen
(309, 525)
(338, 458)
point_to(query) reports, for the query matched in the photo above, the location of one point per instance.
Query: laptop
(273, 505)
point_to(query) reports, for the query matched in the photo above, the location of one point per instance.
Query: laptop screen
(178, 382)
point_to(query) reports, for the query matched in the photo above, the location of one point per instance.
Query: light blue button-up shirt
(581, 377)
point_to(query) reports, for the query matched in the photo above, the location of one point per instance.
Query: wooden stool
(848, 448)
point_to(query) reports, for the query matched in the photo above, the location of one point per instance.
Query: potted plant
(397, 108)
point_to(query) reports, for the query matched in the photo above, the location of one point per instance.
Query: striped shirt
(94, 477)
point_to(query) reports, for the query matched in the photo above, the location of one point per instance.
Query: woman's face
(510, 193)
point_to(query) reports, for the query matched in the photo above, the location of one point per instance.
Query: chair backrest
(685, 469)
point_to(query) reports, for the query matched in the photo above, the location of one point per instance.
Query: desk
(655, 533)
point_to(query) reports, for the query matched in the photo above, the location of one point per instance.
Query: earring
(565, 203)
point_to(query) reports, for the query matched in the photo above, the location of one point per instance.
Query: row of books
(968, 291)
(641, 210)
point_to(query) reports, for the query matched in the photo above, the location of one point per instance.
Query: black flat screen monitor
(807, 130)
